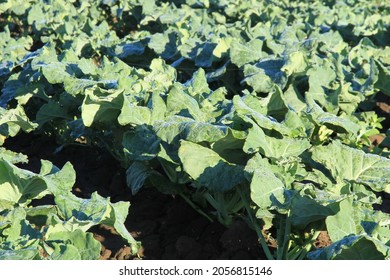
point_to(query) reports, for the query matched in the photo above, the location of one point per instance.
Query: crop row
(255, 109)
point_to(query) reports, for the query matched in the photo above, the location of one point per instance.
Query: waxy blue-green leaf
(131, 49)
(241, 54)
(19, 186)
(244, 111)
(174, 129)
(305, 210)
(198, 86)
(157, 106)
(204, 55)
(350, 164)
(12, 157)
(276, 105)
(141, 143)
(321, 88)
(84, 213)
(263, 182)
(12, 49)
(162, 76)
(264, 75)
(361, 53)
(342, 223)
(164, 44)
(133, 114)
(55, 72)
(18, 227)
(208, 169)
(182, 104)
(136, 175)
(50, 111)
(29, 253)
(12, 121)
(293, 99)
(331, 121)
(383, 82)
(272, 147)
(295, 63)
(101, 106)
(73, 245)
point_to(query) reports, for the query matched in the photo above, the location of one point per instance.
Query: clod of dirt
(105, 254)
(376, 139)
(123, 254)
(323, 240)
(385, 107)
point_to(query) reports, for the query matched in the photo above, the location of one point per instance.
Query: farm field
(194, 129)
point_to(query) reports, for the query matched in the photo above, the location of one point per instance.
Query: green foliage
(254, 109)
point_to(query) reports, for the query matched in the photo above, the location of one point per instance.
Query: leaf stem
(196, 208)
(256, 226)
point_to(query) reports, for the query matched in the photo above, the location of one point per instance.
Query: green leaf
(383, 82)
(18, 226)
(116, 218)
(208, 168)
(247, 113)
(12, 157)
(331, 121)
(204, 56)
(81, 213)
(321, 79)
(242, 54)
(198, 86)
(133, 114)
(141, 143)
(55, 72)
(359, 54)
(368, 169)
(295, 63)
(59, 181)
(164, 44)
(19, 186)
(50, 111)
(136, 175)
(305, 210)
(182, 104)
(273, 147)
(263, 182)
(264, 75)
(19, 254)
(75, 245)
(158, 107)
(12, 120)
(101, 106)
(162, 75)
(65, 252)
(342, 223)
(175, 128)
